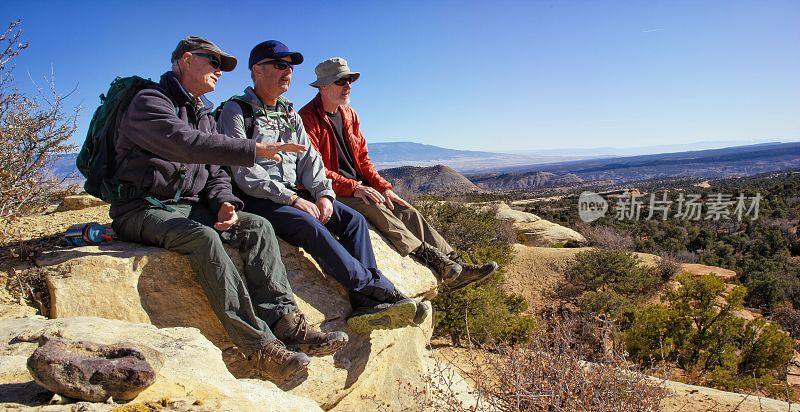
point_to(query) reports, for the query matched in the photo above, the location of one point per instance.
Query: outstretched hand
(271, 150)
(226, 217)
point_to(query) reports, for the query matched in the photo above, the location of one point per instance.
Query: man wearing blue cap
(296, 197)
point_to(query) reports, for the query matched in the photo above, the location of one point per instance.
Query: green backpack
(96, 160)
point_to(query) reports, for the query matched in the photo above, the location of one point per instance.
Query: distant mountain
(437, 179)
(714, 163)
(521, 181)
(388, 155)
(413, 152)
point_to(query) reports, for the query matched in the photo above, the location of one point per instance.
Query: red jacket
(320, 132)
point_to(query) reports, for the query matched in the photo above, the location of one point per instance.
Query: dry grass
(548, 374)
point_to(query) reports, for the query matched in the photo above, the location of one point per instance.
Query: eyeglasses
(343, 81)
(278, 64)
(213, 60)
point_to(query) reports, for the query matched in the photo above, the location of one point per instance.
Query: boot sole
(393, 317)
(475, 282)
(324, 349)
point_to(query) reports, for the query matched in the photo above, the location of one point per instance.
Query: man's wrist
(293, 199)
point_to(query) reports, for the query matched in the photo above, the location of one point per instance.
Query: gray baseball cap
(332, 70)
(192, 43)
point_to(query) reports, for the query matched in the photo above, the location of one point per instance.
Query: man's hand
(325, 207)
(307, 207)
(367, 193)
(226, 217)
(271, 150)
(392, 197)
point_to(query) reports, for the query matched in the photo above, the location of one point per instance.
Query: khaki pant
(405, 227)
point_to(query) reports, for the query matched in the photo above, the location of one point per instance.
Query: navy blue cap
(272, 49)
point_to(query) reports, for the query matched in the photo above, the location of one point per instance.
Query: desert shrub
(478, 314)
(788, 317)
(698, 331)
(667, 266)
(34, 131)
(606, 237)
(607, 281)
(547, 374)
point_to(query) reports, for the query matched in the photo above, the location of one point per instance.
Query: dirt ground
(22, 290)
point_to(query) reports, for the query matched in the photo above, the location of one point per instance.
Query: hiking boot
(424, 309)
(293, 330)
(369, 314)
(278, 364)
(470, 274)
(447, 269)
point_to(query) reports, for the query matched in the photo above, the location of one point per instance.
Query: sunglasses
(278, 64)
(343, 81)
(213, 60)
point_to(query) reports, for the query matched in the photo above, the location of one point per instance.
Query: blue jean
(349, 259)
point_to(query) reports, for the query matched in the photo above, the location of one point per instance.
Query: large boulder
(93, 372)
(78, 202)
(144, 284)
(535, 231)
(192, 371)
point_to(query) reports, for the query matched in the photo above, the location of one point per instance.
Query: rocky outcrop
(535, 231)
(92, 372)
(437, 179)
(78, 202)
(150, 285)
(192, 374)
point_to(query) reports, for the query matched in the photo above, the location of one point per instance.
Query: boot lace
(274, 350)
(300, 326)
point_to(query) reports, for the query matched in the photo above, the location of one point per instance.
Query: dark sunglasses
(278, 64)
(343, 81)
(213, 60)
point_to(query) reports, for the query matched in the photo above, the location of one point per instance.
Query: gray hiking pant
(245, 303)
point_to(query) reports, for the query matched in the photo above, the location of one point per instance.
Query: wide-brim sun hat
(332, 70)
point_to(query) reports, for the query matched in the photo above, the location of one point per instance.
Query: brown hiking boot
(276, 363)
(447, 269)
(470, 274)
(293, 330)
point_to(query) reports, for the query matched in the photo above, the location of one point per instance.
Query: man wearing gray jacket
(298, 200)
(174, 194)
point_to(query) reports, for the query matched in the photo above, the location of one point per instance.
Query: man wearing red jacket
(333, 128)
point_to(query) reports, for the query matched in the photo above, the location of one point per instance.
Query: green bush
(481, 313)
(607, 281)
(698, 331)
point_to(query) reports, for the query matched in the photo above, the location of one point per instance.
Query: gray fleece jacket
(270, 179)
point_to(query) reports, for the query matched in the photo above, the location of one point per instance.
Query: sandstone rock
(535, 231)
(143, 284)
(78, 202)
(691, 398)
(192, 374)
(699, 270)
(91, 372)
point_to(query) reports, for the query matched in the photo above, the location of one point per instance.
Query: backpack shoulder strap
(248, 114)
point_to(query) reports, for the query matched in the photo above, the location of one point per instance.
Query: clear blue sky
(464, 74)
